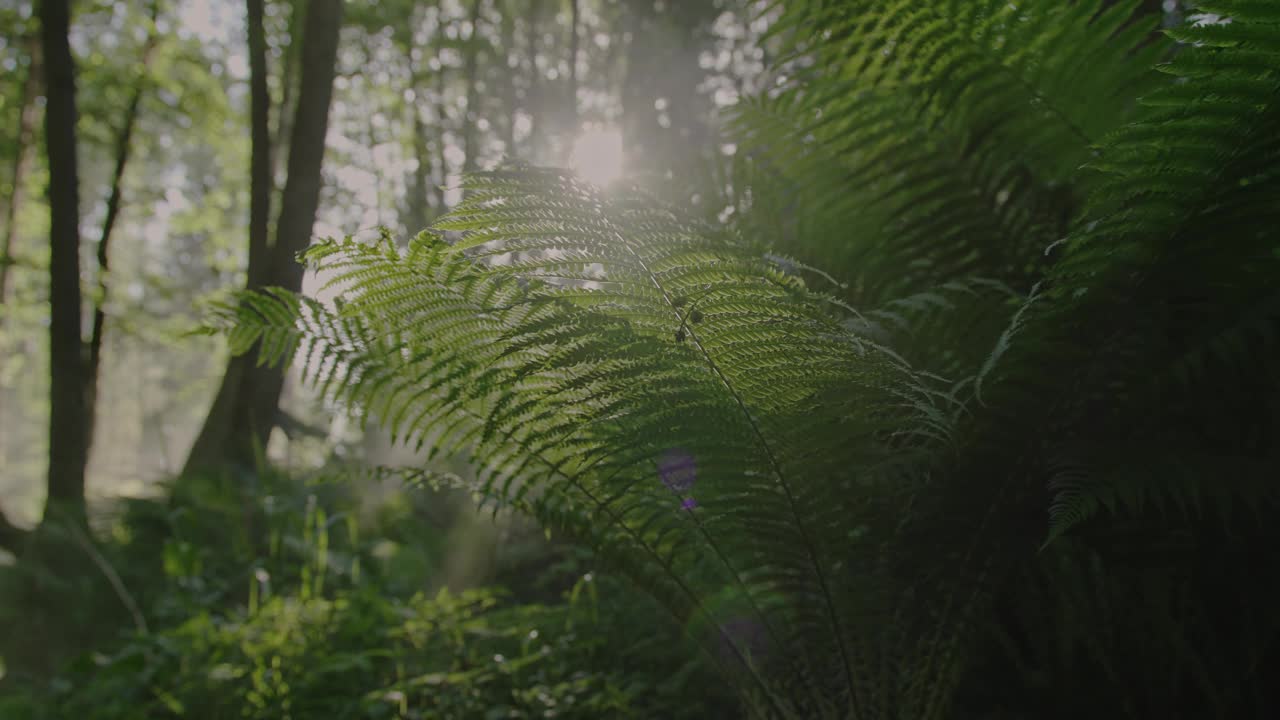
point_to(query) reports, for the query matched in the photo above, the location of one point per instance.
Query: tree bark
(12, 537)
(288, 76)
(245, 408)
(68, 425)
(533, 98)
(442, 161)
(571, 102)
(261, 165)
(472, 70)
(509, 83)
(21, 162)
(301, 197)
(420, 189)
(123, 148)
(210, 445)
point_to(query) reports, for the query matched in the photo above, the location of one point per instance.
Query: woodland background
(421, 93)
(188, 532)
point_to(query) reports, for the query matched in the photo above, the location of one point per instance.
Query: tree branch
(123, 147)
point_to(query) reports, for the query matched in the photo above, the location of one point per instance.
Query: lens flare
(597, 155)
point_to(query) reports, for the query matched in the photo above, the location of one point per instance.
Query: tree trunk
(301, 196)
(442, 161)
(68, 452)
(12, 537)
(210, 445)
(507, 48)
(288, 84)
(420, 187)
(469, 146)
(372, 140)
(124, 144)
(21, 162)
(261, 166)
(571, 102)
(533, 97)
(245, 407)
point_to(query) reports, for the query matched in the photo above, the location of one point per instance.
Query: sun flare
(597, 155)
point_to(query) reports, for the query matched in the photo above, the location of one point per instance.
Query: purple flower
(677, 470)
(689, 504)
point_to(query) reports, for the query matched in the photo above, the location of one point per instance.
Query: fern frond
(797, 471)
(929, 141)
(621, 336)
(1202, 162)
(1166, 490)
(1163, 296)
(1048, 78)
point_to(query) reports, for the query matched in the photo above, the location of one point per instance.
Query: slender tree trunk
(301, 196)
(68, 421)
(21, 162)
(470, 147)
(420, 187)
(442, 162)
(533, 98)
(417, 212)
(245, 408)
(571, 102)
(261, 165)
(509, 83)
(288, 82)
(372, 141)
(633, 94)
(210, 445)
(123, 148)
(419, 207)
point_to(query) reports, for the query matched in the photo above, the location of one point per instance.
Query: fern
(618, 336)
(1168, 281)
(1037, 293)
(943, 139)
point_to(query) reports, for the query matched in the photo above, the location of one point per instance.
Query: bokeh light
(597, 155)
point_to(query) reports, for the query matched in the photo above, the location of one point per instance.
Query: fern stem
(810, 548)
(724, 560)
(616, 520)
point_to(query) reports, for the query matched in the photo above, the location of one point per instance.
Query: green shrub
(286, 599)
(364, 656)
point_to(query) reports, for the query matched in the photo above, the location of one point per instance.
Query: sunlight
(597, 155)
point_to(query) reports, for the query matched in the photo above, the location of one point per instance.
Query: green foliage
(362, 655)
(303, 608)
(533, 365)
(942, 139)
(1055, 273)
(1178, 252)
